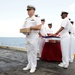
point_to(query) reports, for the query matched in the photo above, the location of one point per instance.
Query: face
(30, 11)
(63, 16)
(43, 22)
(50, 26)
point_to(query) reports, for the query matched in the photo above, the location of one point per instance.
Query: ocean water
(12, 41)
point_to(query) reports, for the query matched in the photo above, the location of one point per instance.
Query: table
(51, 52)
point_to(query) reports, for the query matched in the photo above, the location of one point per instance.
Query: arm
(63, 25)
(59, 30)
(40, 34)
(37, 27)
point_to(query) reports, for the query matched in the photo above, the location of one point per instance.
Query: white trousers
(31, 46)
(65, 43)
(41, 42)
(72, 47)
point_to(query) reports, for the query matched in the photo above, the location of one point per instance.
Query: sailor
(49, 29)
(72, 41)
(34, 23)
(41, 40)
(65, 39)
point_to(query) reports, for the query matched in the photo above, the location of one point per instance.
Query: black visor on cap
(42, 19)
(50, 24)
(30, 7)
(64, 13)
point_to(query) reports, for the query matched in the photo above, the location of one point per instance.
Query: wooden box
(25, 30)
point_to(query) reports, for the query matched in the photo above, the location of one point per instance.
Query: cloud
(72, 7)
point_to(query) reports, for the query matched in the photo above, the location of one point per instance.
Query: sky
(13, 14)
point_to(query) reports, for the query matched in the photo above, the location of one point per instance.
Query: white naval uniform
(49, 30)
(41, 40)
(65, 41)
(72, 43)
(32, 40)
